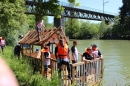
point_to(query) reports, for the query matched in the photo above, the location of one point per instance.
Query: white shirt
(47, 59)
(75, 53)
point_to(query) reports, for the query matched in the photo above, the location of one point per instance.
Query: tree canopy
(125, 16)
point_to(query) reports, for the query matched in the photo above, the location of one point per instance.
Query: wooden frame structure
(47, 36)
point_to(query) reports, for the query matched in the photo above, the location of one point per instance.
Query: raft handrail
(80, 67)
(77, 69)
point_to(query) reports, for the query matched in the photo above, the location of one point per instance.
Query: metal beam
(72, 12)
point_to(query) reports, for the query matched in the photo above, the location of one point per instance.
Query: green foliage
(74, 2)
(12, 18)
(79, 29)
(125, 17)
(42, 9)
(24, 71)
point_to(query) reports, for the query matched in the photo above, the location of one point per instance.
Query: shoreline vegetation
(24, 72)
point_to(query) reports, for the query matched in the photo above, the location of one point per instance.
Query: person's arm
(85, 60)
(80, 53)
(73, 52)
(100, 55)
(46, 54)
(56, 52)
(68, 54)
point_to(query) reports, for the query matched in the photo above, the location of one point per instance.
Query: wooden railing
(83, 73)
(87, 73)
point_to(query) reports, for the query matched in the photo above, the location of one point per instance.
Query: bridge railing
(85, 8)
(78, 7)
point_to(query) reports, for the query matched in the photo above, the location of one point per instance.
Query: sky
(112, 6)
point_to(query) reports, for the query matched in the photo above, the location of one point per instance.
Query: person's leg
(18, 55)
(2, 47)
(68, 69)
(45, 70)
(59, 67)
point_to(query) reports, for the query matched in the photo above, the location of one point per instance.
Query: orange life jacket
(62, 51)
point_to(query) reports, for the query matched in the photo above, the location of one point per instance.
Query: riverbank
(24, 72)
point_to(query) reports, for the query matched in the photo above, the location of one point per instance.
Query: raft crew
(62, 55)
(17, 50)
(46, 59)
(74, 52)
(87, 55)
(95, 51)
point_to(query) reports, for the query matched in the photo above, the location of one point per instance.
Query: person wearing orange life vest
(62, 55)
(95, 51)
(46, 58)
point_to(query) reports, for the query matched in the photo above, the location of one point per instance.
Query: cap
(88, 48)
(94, 45)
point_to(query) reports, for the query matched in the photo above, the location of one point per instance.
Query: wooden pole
(52, 48)
(42, 62)
(72, 74)
(102, 67)
(22, 50)
(32, 49)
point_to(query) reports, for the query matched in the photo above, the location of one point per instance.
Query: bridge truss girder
(86, 14)
(71, 12)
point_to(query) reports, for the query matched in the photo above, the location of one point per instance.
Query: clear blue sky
(112, 6)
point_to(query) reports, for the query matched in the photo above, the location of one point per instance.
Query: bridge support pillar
(59, 22)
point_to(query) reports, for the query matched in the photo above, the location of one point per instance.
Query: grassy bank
(24, 72)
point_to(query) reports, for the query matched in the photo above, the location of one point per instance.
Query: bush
(24, 71)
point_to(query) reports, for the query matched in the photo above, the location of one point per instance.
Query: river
(116, 59)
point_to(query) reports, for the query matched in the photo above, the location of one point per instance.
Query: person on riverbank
(17, 50)
(46, 58)
(2, 44)
(96, 52)
(62, 54)
(87, 55)
(74, 52)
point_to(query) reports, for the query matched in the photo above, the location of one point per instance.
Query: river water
(116, 59)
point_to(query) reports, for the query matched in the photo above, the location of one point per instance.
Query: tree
(72, 28)
(125, 16)
(12, 17)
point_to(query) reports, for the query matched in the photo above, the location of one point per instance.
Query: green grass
(24, 71)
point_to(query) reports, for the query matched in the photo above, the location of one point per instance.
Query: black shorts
(45, 68)
(2, 46)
